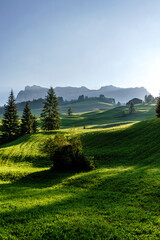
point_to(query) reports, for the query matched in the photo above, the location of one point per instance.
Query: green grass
(85, 106)
(119, 200)
(90, 104)
(108, 118)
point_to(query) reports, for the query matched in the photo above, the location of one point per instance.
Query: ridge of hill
(69, 93)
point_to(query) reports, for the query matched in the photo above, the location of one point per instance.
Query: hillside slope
(108, 117)
(132, 142)
(119, 200)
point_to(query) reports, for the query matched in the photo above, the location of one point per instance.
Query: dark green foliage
(67, 154)
(158, 108)
(81, 98)
(69, 111)
(132, 108)
(10, 124)
(34, 124)
(50, 115)
(149, 99)
(29, 123)
(101, 96)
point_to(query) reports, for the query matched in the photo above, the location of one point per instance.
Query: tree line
(12, 127)
(38, 103)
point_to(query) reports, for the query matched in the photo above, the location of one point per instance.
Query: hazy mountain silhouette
(68, 93)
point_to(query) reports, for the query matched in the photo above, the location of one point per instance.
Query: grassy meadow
(108, 118)
(118, 200)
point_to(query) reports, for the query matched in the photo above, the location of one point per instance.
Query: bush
(67, 154)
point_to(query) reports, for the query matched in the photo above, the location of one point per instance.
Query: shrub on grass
(67, 154)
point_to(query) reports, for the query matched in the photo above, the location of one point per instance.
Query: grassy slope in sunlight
(108, 118)
(119, 200)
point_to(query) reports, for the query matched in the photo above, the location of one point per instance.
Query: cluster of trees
(12, 128)
(38, 103)
(101, 97)
(150, 99)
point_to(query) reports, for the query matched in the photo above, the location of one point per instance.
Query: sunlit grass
(93, 204)
(118, 200)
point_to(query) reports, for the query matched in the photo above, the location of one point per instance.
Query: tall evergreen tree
(28, 124)
(10, 123)
(69, 111)
(132, 108)
(34, 124)
(50, 115)
(158, 108)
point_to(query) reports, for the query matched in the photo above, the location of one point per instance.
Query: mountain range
(122, 95)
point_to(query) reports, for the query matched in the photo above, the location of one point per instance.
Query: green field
(108, 118)
(91, 104)
(118, 200)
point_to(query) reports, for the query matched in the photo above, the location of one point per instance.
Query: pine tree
(28, 120)
(34, 124)
(50, 115)
(158, 108)
(132, 108)
(10, 123)
(69, 111)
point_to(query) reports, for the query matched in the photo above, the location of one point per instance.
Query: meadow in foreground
(119, 200)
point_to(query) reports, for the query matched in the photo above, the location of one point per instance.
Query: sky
(79, 43)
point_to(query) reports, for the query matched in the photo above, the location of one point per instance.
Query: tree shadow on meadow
(110, 125)
(46, 178)
(109, 195)
(17, 141)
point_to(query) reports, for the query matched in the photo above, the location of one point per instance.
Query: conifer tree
(158, 108)
(34, 124)
(132, 108)
(10, 123)
(69, 111)
(50, 115)
(28, 121)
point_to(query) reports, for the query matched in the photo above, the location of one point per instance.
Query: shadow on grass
(36, 161)
(123, 194)
(26, 138)
(17, 141)
(46, 178)
(110, 125)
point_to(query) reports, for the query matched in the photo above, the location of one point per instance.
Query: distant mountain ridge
(69, 93)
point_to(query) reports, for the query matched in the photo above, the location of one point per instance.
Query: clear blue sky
(89, 43)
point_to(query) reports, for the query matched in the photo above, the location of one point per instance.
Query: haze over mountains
(68, 93)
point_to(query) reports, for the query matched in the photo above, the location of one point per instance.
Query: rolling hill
(119, 200)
